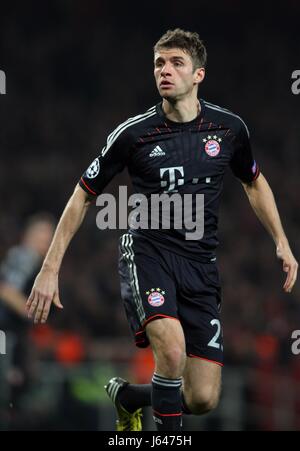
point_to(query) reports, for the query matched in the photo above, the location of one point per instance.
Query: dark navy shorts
(156, 283)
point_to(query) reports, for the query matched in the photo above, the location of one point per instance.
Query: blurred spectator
(17, 273)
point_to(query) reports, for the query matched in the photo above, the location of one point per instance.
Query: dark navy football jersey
(163, 156)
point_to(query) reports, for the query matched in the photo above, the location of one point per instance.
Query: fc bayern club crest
(212, 145)
(156, 297)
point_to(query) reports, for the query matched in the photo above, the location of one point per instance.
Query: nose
(166, 69)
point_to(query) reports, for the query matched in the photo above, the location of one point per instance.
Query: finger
(39, 311)
(57, 302)
(286, 268)
(293, 278)
(30, 298)
(290, 280)
(33, 305)
(46, 311)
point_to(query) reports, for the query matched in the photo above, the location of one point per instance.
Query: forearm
(68, 225)
(263, 203)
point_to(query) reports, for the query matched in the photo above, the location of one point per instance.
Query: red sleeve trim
(87, 187)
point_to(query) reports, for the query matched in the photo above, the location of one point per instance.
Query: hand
(289, 265)
(44, 292)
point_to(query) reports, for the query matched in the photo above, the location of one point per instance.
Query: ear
(199, 75)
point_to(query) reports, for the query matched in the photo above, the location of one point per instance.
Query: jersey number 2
(213, 342)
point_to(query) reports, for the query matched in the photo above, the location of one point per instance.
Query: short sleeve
(112, 159)
(243, 164)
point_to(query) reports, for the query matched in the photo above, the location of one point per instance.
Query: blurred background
(75, 70)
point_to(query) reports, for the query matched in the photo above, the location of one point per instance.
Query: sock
(134, 396)
(166, 403)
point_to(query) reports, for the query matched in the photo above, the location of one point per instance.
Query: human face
(174, 74)
(39, 236)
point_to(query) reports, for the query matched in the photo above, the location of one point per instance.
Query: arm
(111, 160)
(263, 203)
(45, 288)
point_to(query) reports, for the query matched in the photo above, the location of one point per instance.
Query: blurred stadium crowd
(72, 77)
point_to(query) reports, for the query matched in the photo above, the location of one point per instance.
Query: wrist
(47, 267)
(282, 242)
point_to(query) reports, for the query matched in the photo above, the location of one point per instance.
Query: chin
(171, 98)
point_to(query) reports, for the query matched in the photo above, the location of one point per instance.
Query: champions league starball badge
(155, 297)
(93, 169)
(212, 145)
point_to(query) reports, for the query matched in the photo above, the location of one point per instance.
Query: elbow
(254, 184)
(82, 196)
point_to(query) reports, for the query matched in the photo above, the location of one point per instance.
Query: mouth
(166, 84)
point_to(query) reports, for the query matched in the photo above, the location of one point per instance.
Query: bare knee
(170, 361)
(203, 401)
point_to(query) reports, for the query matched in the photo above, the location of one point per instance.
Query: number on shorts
(213, 342)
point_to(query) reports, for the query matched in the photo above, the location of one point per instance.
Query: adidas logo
(157, 152)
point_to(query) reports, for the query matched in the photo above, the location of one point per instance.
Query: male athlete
(170, 286)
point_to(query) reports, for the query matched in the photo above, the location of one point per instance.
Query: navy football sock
(134, 396)
(166, 403)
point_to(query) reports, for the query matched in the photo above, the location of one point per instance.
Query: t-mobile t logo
(171, 183)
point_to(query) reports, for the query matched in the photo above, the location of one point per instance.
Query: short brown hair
(188, 41)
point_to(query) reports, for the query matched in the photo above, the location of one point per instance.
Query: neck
(184, 110)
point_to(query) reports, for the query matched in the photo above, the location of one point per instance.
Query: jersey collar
(197, 119)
